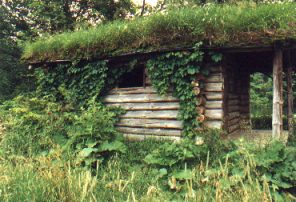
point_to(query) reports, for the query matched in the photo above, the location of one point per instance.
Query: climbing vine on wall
(78, 82)
(178, 70)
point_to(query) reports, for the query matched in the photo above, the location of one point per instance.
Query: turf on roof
(214, 25)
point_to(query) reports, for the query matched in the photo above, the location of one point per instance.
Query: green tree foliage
(35, 17)
(10, 69)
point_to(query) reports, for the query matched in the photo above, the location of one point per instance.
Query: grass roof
(214, 25)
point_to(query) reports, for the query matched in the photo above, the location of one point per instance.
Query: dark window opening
(134, 78)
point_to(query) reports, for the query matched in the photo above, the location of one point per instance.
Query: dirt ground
(257, 136)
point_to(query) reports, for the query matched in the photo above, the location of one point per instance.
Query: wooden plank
(147, 106)
(233, 121)
(214, 114)
(214, 78)
(234, 108)
(232, 96)
(232, 115)
(163, 114)
(214, 68)
(150, 123)
(213, 124)
(233, 128)
(277, 109)
(215, 104)
(213, 95)
(149, 131)
(290, 97)
(140, 137)
(134, 90)
(137, 98)
(233, 102)
(213, 87)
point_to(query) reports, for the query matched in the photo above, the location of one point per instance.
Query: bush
(35, 126)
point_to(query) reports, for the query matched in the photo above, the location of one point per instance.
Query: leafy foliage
(178, 70)
(35, 126)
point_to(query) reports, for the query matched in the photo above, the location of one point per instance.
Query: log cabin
(223, 96)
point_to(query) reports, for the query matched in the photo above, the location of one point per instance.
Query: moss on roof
(214, 25)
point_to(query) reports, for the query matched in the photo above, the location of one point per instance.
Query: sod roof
(213, 25)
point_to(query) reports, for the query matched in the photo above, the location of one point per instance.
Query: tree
(10, 69)
(36, 17)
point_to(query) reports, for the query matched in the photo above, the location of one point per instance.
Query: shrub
(35, 126)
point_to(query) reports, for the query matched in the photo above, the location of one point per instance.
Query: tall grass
(126, 178)
(226, 25)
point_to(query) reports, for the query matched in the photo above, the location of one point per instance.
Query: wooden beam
(277, 109)
(290, 96)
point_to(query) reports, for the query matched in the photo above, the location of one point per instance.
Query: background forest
(52, 149)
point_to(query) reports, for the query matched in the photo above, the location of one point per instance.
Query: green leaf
(183, 175)
(87, 151)
(113, 146)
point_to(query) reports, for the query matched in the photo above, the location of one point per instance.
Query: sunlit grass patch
(215, 25)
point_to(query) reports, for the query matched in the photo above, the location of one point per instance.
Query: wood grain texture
(163, 114)
(214, 114)
(150, 123)
(140, 137)
(214, 95)
(149, 131)
(147, 106)
(213, 87)
(213, 124)
(215, 104)
(138, 98)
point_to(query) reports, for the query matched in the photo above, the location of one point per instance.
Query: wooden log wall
(148, 115)
(213, 93)
(237, 99)
(245, 118)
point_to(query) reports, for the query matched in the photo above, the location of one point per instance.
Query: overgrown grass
(214, 25)
(127, 178)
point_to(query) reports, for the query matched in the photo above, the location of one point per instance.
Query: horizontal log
(233, 102)
(245, 97)
(133, 98)
(214, 68)
(245, 116)
(214, 114)
(150, 123)
(214, 95)
(232, 96)
(163, 114)
(139, 137)
(133, 90)
(215, 104)
(233, 128)
(214, 78)
(149, 131)
(244, 110)
(213, 124)
(147, 106)
(213, 87)
(232, 115)
(233, 122)
(234, 108)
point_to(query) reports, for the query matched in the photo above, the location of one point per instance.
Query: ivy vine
(178, 70)
(77, 83)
